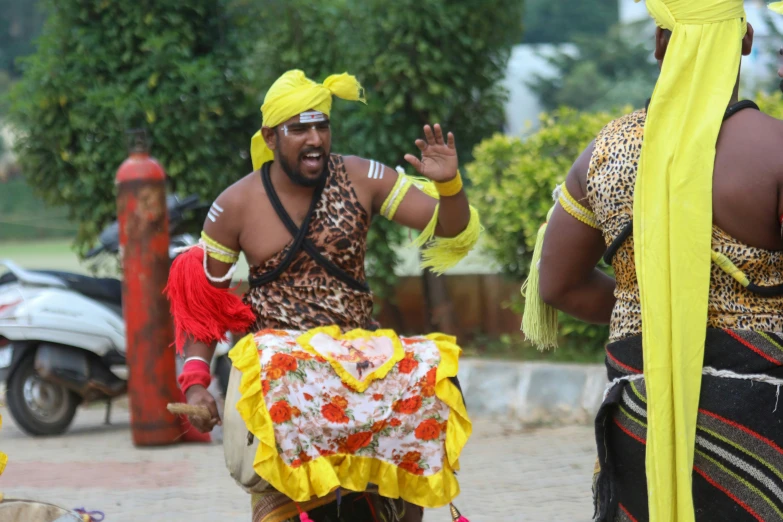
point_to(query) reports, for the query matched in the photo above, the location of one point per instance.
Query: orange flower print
(408, 364)
(408, 406)
(295, 412)
(273, 373)
(411, 467)
(284, 361)
(296, 463)
(340, 402)
(308, 397)
(378, 426)
(394, 423)
(444, 425)
(428, 430)
(324, 452)
(280, 412)
(320, 359)
(302, 356)
(271, 331)
(358, 441)
(428, 391)
(431, 376)
(411, 456)
(377, 396)
(265, 386)
(304, 457)
(407, 341)
(334, 414)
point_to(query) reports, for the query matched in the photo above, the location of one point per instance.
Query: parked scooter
(62, 335)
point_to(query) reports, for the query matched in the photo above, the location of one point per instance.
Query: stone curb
(533, 392)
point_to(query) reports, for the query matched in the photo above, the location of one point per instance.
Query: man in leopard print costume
(302, 218)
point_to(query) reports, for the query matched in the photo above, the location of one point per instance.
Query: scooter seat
(99, 288)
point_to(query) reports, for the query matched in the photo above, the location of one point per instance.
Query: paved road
(508, 474)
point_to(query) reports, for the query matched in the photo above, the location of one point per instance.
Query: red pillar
(144, 247)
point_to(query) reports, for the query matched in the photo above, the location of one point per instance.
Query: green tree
(513, 180)
(605, 71)
(104, 67)
(557, 22)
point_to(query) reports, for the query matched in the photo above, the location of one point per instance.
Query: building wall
(522, 107)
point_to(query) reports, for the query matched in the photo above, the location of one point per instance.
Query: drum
(29, 510)
(239, 445)
(308, 412)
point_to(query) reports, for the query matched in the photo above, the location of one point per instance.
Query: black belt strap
(301, 242)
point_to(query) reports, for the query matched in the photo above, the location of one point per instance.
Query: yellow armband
(576, 209)
(395, 197)
(451, 187)
(219, 252)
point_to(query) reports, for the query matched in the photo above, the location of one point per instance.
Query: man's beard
(298, 178)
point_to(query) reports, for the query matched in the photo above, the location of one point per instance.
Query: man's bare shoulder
(359, 168)
(240, 192)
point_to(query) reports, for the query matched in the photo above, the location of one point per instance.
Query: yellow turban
(294, 93)
(672, 231)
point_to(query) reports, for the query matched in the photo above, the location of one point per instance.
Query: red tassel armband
(201, 311)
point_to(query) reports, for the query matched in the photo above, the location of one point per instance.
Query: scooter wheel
(39, 407)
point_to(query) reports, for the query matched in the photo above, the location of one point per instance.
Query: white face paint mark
(214, 212)
(312, 117)
(376, 170)
(285, 130)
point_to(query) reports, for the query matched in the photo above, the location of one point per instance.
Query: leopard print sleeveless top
(610, 187)
(305, 295)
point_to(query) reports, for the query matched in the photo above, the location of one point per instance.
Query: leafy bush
(513, 180)
(771, 104)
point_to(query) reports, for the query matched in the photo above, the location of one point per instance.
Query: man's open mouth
(312, 159)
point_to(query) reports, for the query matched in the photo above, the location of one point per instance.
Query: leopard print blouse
(610, 187)
(305, 296)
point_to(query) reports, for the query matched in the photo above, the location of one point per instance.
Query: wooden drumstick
(179, 408)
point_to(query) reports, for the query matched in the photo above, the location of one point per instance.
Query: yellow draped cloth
(294, 93)
(672, 231)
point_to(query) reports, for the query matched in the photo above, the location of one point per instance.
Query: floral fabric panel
(397, 419)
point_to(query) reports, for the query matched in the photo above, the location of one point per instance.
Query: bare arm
(438, 163)
(222, 225)
(569, 279)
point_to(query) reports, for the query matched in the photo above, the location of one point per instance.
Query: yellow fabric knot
(668, 13)
(294, 93)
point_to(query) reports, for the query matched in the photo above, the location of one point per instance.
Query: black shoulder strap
(301, 241)
(299, 235)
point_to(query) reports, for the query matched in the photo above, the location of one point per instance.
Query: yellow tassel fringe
(539, 320)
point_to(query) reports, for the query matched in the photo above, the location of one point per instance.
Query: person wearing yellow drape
(669, 189)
